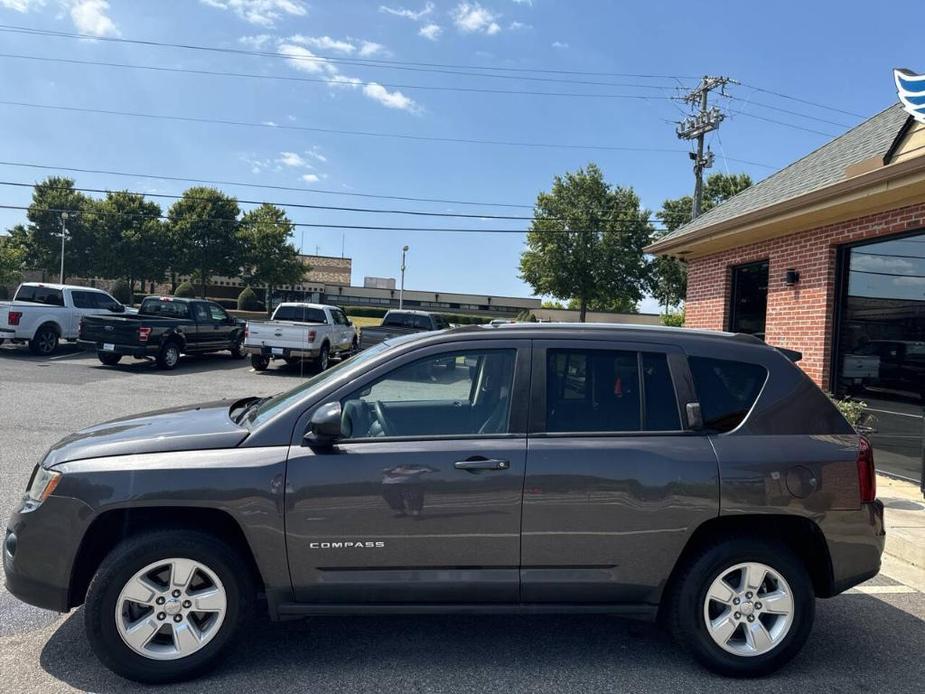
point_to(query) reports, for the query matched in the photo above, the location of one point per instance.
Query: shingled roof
(819, 169)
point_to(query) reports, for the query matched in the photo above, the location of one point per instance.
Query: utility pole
(705, 120)
(401, 288)
(63, 234)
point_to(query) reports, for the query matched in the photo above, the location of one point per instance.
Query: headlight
(41, 486)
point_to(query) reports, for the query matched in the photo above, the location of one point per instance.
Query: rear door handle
(477, 463)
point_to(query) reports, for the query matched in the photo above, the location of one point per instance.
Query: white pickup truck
(44, 314)
(298, 331)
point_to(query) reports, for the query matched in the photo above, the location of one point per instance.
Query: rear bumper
(10, 334)
(126, 350)
(282, 352)
(855, 540)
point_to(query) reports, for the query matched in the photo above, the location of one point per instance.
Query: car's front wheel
(743, 607)
(237, 349)
(166, 605)
(259, 362)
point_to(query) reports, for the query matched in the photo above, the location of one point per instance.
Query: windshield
(272, 406)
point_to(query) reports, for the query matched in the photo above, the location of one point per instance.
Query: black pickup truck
(401, 323)
(164, 328)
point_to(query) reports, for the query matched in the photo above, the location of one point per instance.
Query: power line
(409, 65)
(786, 110)
(265, 186)
(352, 227)
(316, 80)
(364, 210)
(780, 122)
(358, 133)
(438, 68)
(802, 101)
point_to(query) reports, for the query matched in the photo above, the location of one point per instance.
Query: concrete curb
(905, 520)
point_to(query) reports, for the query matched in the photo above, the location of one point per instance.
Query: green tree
(203, 232)
(12, 257)
(615, 306)
(668, 276)
(50, 199)
(185, 290)
(247, 300)
(132, 240)
(585, 242)
(269, 259)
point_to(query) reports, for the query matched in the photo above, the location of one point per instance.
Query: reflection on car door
(421, 500)
(614, 483)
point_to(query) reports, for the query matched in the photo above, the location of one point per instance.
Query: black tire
(134, 554)
(686, 620)
(324, 358)
(108, 358)
(237, 349)
(260, 362)
(169, 356)
(45, 340)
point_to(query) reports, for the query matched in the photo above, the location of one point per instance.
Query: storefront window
(881, 346)
(749, 304)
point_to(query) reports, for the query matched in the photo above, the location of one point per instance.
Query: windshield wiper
(246, 406)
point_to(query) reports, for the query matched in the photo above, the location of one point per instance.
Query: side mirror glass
(694, 416)
(324, 428)
(118, 308)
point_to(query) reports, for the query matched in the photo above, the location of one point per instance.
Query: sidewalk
(905, 520)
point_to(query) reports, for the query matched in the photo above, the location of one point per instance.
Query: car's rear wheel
(166, 605)
(45, 341)
(169, 356)
(324, 356)
(260, 362)
(743, 607)
(108, 358)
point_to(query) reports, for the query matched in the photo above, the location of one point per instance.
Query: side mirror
(694, 416)
(324, 428)
(118, 308)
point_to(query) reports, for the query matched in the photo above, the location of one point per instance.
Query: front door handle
(476, 463)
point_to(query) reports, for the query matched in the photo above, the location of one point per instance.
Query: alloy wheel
(171, 609)
(748, 609)
(47, 341)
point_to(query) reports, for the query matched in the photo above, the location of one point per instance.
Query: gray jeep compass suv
(700, 478)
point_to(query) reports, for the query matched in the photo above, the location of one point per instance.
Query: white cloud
(304, 60)
(22, 5)
(371, 48)
(430, 31)
(472, 18)
(310, 178)
(292, 159)
(519, 26)
(313, 153)
(90, 17)
(389, 99)
(260, 12)
(559, 44)
(414, 16)
(257, 42)
(528, 3)
(325, 43)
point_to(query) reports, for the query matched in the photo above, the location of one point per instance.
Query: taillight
(311, 335)
(143, 334)
(14, 317)
(247, 330)
(867, 473)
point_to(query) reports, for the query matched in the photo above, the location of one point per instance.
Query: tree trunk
(582, 309)
(203, 278)
(267, 295)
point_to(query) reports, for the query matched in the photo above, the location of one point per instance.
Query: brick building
(827, 257)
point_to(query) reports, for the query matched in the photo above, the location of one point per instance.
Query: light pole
(63, 234)
(401, 290)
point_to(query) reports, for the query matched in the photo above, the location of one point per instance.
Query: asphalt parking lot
(872, 639)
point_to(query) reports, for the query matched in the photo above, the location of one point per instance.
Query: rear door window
(726, 390)
(40, 295)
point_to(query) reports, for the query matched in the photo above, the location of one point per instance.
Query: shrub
(853, 410)
(186, 291)
(365, 311)
(674, 320)
(247, 300)
(120, 292)
(4, 293)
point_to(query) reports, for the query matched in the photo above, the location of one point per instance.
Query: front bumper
(39, 549)
(138, 351)
(282, 352)
(855, 540)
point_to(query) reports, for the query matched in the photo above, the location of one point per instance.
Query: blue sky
(839, 54)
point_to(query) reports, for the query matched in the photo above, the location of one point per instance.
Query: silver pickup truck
(298, 331)
(401, 322)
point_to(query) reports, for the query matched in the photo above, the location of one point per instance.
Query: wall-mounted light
(792, 277)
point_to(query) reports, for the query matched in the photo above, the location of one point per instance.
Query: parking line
(66, 356)
(882, 590)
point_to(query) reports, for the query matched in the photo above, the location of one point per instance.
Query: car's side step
(298, 609)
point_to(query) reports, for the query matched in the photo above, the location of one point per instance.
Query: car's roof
(51, 285)
(305, 304)
(411, 310)
(177, 299)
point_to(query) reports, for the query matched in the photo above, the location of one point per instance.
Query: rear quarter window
(726, 390)
(40, 295)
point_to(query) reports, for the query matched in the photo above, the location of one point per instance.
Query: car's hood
(190, 428)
